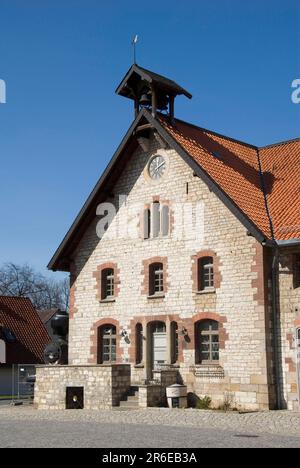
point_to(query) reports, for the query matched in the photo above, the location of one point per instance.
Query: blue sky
(62, 60)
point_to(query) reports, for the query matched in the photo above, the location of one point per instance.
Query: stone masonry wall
(104, 385)
(238, 299)
(289, 301)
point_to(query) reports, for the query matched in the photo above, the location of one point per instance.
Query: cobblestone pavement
(66, 434)
(152, 427)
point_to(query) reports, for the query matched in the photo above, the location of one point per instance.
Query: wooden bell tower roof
(161, 91)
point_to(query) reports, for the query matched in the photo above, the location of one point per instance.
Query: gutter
(288, 243)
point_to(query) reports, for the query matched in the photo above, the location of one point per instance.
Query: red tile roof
(235, 168)
(258, 185)
(20, 317)
(281, 166)
(46, 315)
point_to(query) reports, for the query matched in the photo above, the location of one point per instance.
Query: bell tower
(151, 91)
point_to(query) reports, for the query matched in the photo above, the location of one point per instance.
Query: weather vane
(134, 43)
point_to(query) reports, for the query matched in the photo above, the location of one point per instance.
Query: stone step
(132, 398)
(129, 404)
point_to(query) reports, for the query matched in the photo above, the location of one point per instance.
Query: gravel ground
(153, 427)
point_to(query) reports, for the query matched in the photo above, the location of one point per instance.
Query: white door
(159, 348)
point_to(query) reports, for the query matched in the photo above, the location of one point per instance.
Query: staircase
(131, 400)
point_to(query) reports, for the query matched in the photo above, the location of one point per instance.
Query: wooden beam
(144, 143)
(162, 143)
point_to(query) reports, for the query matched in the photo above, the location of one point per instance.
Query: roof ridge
(280, 143)
(265, 195)
(24, 298)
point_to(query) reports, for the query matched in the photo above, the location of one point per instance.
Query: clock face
(157, 167)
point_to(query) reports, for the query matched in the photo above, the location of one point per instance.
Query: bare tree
(24, 281)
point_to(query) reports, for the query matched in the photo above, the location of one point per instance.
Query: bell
(145, 100)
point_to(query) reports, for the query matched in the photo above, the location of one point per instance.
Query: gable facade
(237, 300)
(196, 273)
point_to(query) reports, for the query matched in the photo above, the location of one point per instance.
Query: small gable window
(156, 221)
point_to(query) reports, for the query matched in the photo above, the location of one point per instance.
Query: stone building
(185, 264)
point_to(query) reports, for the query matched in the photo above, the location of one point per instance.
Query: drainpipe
(276, 325)
(275, 311)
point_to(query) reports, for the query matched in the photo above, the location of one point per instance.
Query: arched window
(108, 284)
(107, 344)
(156, 221)
(165, 220)
(205, 273)
(174, 342)
(138, 343)
(147, 223)
(156, 279)
(207, 342)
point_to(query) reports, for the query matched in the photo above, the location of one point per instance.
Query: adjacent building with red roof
(23, 337)
(186, 257)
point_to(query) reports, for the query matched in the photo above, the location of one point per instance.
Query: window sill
(107, 301)
(139, 366)
(206, 291)
(160, 237)
(156, 296)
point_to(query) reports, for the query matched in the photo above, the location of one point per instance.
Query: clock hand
(162, 164)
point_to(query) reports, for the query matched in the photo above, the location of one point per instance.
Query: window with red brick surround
(206, 275)
(96, 345)
(107, 280)
(148, 275)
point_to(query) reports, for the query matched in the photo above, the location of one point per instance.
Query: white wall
(2, 352)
